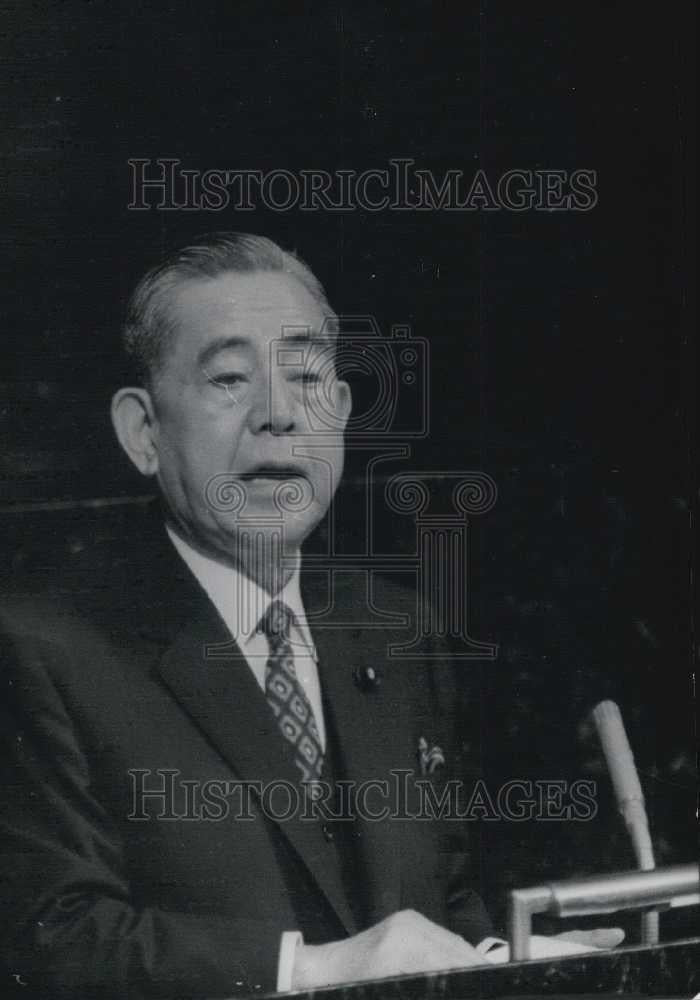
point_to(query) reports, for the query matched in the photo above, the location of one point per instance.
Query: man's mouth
(274, 472)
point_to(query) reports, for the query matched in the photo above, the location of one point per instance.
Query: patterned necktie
(286, 696)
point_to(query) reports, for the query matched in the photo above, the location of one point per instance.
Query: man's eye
(227, 378)
(308, 378)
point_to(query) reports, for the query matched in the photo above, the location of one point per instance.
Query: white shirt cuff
(493, 949)
(289, 942)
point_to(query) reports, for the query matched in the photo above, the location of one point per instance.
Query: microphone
(628, 793)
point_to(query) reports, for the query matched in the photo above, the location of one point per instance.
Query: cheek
(183, 469)
(327, 476)
(204, 441)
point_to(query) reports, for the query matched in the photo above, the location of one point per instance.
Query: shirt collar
(238, 599)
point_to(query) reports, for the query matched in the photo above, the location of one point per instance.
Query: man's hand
(601, 937)
(567, 943)
(403, 943)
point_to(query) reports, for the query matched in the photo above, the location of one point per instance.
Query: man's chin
(265, 533)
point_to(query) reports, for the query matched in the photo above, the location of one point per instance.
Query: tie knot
(277, 621)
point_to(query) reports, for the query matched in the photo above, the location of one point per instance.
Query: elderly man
(156, 693)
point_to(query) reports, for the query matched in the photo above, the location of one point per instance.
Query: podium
(666, 970)
(671, 969)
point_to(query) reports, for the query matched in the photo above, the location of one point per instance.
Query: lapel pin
(366, 678)
(429, 758)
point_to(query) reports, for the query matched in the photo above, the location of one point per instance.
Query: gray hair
(148, 327)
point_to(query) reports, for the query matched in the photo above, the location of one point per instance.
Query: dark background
(562, 360)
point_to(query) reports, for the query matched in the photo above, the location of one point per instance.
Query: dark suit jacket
(122, 665)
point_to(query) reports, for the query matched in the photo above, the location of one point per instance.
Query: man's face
(231, 405)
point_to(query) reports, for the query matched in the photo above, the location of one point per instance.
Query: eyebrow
(300, 336)
(220, 344)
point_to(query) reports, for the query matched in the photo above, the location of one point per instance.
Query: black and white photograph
(348, 606)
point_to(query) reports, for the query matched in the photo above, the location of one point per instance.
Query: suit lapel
(209, 676)
(211, 679)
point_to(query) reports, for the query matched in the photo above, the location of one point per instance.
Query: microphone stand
(630, 799)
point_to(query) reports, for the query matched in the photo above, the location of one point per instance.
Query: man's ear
(134, 421)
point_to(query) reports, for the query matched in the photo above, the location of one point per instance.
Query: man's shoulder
(377, 589)
(100, 573)
(359, 594)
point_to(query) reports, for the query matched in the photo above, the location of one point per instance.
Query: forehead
(254, 308)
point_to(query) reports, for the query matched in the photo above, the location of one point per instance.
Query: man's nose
(275, 410)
